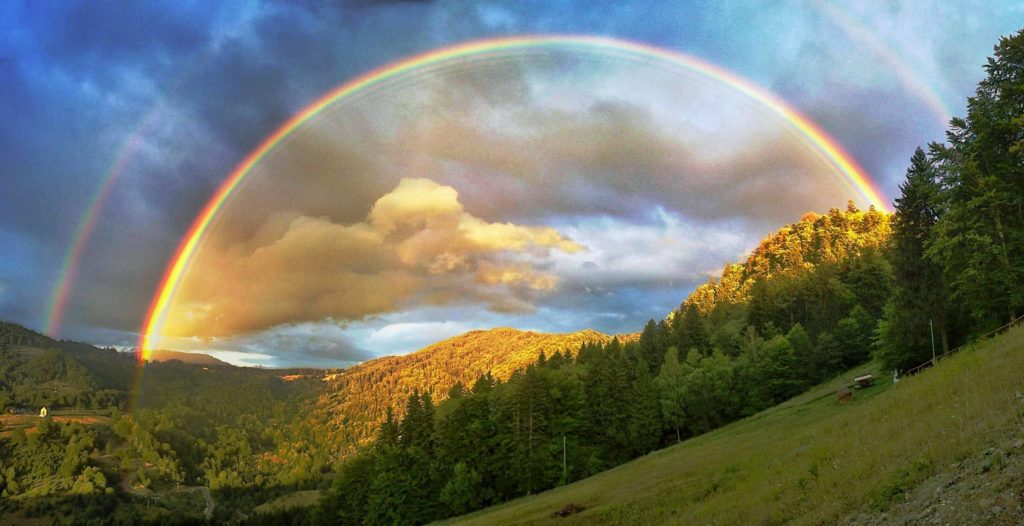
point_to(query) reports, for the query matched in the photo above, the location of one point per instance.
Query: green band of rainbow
(824, 144)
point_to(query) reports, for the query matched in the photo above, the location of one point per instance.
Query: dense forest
(494, 415)
(355, 400)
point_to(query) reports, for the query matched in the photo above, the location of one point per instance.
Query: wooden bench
(864, 381)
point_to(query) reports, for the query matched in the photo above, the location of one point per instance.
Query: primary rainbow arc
(822, 142)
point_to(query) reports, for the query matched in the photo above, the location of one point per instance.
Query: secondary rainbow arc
(824, 145)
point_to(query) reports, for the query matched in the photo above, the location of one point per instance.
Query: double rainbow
(825, 146)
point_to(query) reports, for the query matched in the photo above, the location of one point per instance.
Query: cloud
(405, 337)
(621, 158)
(663, 250)
(416, 245)
(321, 344)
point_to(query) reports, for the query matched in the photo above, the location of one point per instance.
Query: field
(813, 460)
(28, 421)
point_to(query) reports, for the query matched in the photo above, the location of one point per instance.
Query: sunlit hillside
(358, 398)
(812, 241)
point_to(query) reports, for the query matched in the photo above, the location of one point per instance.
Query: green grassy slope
(810, 460)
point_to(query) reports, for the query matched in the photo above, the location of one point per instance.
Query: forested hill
(186, 357)
(795, 248)
(14, 334)
(358, 398)
(241, 433)
(36, 370)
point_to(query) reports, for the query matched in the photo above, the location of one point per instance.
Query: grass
(297, 499)
(809, 460)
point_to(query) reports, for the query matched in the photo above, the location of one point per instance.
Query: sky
(553, 190)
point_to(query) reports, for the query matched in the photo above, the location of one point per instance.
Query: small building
(42, 413)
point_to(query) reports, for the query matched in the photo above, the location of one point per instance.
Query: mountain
(357, 398)
(186, 357)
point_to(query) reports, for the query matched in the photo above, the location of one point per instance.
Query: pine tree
(919, 291)
(648, 345)
(645, 413)
(693, 332)
(980, 238)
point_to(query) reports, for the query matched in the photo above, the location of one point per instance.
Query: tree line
(957, 247)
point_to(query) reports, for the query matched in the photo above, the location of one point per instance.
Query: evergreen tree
(919, 292)
(693, 332)
(979, 239)
(644, 413)
(346, 503)
(648, 345)
(530, 391)
(855, 332)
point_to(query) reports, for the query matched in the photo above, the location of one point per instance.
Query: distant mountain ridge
(358, 398)
(196, 358)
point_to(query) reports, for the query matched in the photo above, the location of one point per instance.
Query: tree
(692, 332)
(709, 392)
(462, 492)
(346, 502)
(979, 240)
(855, 332)
(649, 347)
(644, 413)
(919, 290)
(533, 408)
(803, 353)
(769, 372)
(671, 386)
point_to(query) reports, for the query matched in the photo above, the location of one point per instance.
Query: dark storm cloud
(232, 90)
(316, 345)
(214, 85)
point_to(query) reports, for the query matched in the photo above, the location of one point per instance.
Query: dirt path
(210, 504)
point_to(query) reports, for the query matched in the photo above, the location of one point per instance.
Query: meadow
(810, 460)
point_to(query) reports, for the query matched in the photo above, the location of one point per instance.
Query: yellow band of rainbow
(829, 149)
